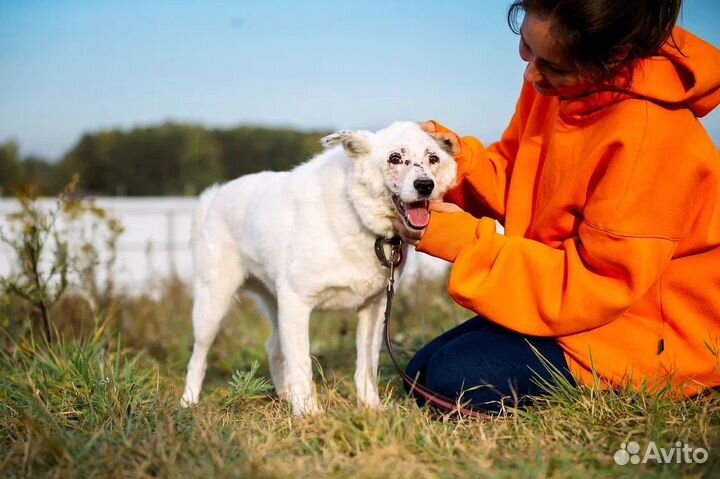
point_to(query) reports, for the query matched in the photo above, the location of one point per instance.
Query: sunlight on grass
(108, 404)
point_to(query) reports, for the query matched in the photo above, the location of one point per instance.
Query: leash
(437, 400)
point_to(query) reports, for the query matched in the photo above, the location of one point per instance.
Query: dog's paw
(372, 403)
(306, 406)
(188, 400)
(283, 394)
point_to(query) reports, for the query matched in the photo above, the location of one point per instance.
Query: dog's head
(401, 164)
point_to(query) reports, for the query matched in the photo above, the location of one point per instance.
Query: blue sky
(67, 67)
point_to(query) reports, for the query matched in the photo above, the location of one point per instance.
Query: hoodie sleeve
(629, 232)
(538, 290)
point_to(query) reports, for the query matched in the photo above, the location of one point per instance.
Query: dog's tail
(206, 198)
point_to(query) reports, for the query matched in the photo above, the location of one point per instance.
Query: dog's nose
(424, 186)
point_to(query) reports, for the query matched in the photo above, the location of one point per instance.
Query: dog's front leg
(294, 331)
(369, 340)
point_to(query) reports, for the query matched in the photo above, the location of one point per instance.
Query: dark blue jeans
(486, 364)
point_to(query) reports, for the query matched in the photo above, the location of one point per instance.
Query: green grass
(104, 401)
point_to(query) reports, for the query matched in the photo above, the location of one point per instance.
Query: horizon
(72, 68)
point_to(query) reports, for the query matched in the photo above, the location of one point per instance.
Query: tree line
(168, 159)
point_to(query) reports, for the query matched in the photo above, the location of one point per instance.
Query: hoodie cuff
(448, 233)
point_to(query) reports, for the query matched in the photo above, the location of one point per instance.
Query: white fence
(153, 246)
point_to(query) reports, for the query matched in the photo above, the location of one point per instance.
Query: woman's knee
(484, 366)
(415, 368)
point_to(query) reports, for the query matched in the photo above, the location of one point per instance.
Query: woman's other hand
(449, 141)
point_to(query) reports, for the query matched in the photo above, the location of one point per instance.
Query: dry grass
(104, 402)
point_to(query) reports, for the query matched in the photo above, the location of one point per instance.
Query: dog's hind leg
(277, 364)
(368, 342)
(294, 336)
(267, 303)
(218, 273)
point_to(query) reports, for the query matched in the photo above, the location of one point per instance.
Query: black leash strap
(433, 398)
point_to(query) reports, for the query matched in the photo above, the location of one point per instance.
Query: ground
(104, 401)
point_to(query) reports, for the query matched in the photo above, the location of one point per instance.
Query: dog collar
(395, 250)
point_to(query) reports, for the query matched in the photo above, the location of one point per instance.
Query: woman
(608, 188)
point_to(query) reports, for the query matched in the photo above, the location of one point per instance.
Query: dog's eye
(433, 159)
(395, 159)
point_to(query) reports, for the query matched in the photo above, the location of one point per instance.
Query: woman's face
(547, 69)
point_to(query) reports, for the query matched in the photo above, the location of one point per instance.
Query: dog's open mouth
(416, 213)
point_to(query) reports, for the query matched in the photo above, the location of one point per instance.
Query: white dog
(304, 240)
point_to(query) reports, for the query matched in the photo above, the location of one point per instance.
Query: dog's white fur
(303, 240)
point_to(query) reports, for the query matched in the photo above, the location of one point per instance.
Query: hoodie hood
(687, 78)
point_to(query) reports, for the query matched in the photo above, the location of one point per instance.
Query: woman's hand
(413, 236)
(444, 207)
(449, 141)
(408, 235)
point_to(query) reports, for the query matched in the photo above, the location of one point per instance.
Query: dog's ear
(448, 142)
(355, 143)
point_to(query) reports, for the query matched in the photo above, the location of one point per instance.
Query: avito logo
(680, 454)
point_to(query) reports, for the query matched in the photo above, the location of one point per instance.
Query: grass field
(102, 401)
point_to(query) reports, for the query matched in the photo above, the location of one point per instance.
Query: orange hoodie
(611, 209)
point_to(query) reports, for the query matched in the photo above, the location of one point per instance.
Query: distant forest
(169, 159)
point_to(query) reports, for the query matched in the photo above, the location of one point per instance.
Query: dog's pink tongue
(418, 216)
